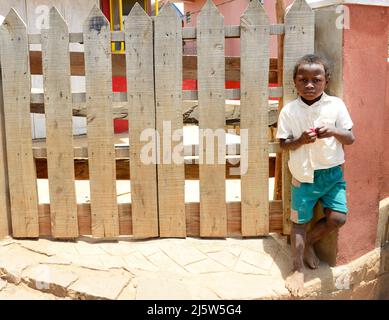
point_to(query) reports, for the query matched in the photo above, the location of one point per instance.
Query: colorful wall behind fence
(232, 10)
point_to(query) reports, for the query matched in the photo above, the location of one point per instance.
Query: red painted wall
(385, 132)
(385, 138)
(365, 75)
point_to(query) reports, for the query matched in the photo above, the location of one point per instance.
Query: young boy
(313, 128)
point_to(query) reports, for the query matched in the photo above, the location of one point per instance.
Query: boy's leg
(303, 201)
(335, 209)
(295, 282)
(332, 221)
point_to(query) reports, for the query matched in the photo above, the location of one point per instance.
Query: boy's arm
(284, 133)
(293, 143)
(344, 136)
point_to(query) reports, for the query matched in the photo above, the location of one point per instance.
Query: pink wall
(385, 132)
(385, 138)
(364, 75)
(232, 12)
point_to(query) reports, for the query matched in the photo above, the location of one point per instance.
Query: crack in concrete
(124, 287)
(172, 261)
(37, 251)
(149, 260)
(190, 263)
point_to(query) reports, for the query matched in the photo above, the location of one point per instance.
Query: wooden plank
(85, 220)
(192, 214)
(141, 110)
(231, 31)
(16, 92)
(101, 152)
(190, 111)
(280, 13)
(59, 132)
(299, 40)
(168, 95)
(120, 109)
(123, 152)
(232, 66)
(5, 209)
(123, 173)
(120, 98)
(233, 218)
(254, 75)
(74, 37)
(211, 79)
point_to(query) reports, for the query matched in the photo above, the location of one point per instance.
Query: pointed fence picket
(16, 94)
(141, 111)
(211, 82)
(101, 150)
(298, 41)
(168, 97)
(254, 68)
(58, 109)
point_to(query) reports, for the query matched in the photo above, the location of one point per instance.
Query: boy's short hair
(312, 59)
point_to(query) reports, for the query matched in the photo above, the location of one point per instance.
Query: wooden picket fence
(154, 68)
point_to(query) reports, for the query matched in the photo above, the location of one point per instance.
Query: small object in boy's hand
(314, 130)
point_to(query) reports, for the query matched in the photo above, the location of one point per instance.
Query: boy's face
(310, 80)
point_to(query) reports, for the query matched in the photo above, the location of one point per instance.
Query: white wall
(19, 5)
(74, 13)
(33, 12)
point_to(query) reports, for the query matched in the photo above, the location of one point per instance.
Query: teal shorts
(328, 186)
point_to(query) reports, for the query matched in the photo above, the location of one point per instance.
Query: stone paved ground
(154, 269)
(190, 268)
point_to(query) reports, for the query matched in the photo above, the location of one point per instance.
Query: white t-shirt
(325, 153)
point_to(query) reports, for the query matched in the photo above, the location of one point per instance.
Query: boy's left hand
(325, 131)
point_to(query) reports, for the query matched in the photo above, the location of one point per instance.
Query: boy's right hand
(308, 136)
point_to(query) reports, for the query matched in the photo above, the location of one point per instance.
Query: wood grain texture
(231, 31)
(16, 95)
(280, 13)
(168, 94)
(101, 151)
(141, 111)
(5, 209)
(81, 169)
(190, 108)
(59, 134)
(123, 151)
(192, 214)
(254, 87)
(211, 80)
(232, 66)
(299, 40)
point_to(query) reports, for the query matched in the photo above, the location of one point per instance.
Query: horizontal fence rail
(188, 33)
(123, 152)
(120, 98)
(77, 66)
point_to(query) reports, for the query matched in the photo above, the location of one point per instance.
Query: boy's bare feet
(295, 283)
(310, 257)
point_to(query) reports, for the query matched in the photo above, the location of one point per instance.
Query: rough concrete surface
(175, 269)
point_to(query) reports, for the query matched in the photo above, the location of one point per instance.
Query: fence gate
(156, 161)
